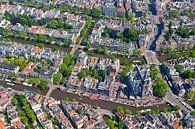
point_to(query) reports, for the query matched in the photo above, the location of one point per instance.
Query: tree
(66, 99)
(187, 11)
(40, 45)
(57, 78)
(192, 113)
(160, 88)
(105, 50)
(110, 123)
(191, 94)
(179, 68)
(96, 12)
(86, 11)
(169, 32)
(67, 66)
(34, 81)
(143, 61)
(169, 50)
(173, 13)
(11, 1)
(14, 101)
(137, 53)
(192, 54)
(175, 108)
(24, 102)
(183, 32)
(127, 111)
(188, 74)
(43, 84)
(162, 49)
(21, 113)
(131, 18)
(24, 120)
(32, 117)
(119, 109)
(138, 113)
(82, 75)
(120, 125)
(98, 49)
(28, 127)
(165, 109)
(42, 22)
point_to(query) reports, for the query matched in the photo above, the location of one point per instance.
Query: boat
(7, 80)
(26, 84)
(10, 84)
(92, 98)
(80, 95)
(97, 99)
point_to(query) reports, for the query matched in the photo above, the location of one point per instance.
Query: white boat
(7, 80)
(10, 84)
(27, 84)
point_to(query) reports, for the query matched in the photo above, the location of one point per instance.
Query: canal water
(22, 88)
(60, 95)
(22, 41)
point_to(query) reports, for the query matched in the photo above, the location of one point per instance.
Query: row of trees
(160, 86)
(129, 34)
(165, 110)
(113, 124)
(22, 114)
(24, 110)
(169, 33)
(22, 19)
(65, 69)
(40, 83)
(67, 65)
(126, 69)
(54, 24)
(187, 12)
(100, 75)
(85, 29)
(185, 74)
(21, 62)
(29, 21)
(185, 32)
(185, 48)
(35, 37)
(176, 13)
(103, 50)
(153, 72)
(120, 109)
(94, 12)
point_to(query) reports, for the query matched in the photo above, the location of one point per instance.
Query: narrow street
(174, 100)
(77, 45)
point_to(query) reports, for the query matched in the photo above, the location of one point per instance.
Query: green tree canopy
(14, 101)
(57, 78)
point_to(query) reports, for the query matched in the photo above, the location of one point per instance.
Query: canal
(19, 87)
(60, 95)
(47, 45)
(160, 27)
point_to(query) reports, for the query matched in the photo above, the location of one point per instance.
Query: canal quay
(60, 95)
